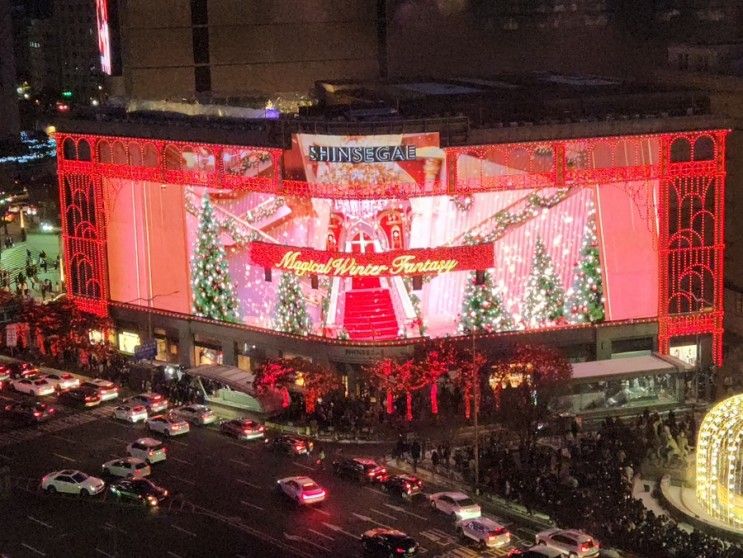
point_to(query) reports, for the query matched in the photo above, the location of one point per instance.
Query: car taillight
(262, 429)
(586, 545)
(89, 398)
(400, 550)
(37, 414)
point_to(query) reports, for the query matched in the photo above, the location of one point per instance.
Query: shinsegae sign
(423, 261)
(362, 153)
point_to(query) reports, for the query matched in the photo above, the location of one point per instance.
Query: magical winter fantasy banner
(377, 269)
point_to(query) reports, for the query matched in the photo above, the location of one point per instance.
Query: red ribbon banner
(423, 261)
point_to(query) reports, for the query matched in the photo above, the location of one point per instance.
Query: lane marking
(120, 440)
(250, 484)
(99, 551)
(44, 523)
(181, 461)
(65, 457)
(243, 463)
(323, 512)
(338, 529)
(192, 483)
(35, 550)
(403, 510)
(303, 466)
(370, 489)
(178, 442)
(319, 534)
(174, 526)
(388, 516)
(68, 440)
(297, 538)
(173, 554)
(370, 520)
(246, 503)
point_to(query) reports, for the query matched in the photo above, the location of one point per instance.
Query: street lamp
(476, 394)
(149, 301)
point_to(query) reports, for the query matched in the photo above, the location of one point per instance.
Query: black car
(20, 370)
(29, 413)
(142, 491)
(361, 469)
(388, 542)
(403, 486)
(82, 396)
(291, 445)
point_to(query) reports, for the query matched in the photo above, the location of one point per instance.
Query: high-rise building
(75, 24)
(43, 59)
(174, 48)
(9, 118)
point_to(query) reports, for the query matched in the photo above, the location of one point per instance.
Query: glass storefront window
(243, 362)
(650, 390)
(128, 342)
(685, 353)
(207, 355)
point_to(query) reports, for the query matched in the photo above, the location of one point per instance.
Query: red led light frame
(690, 170)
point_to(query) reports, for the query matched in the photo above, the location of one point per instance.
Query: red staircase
(369, 315)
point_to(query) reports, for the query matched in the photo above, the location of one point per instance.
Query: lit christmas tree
(291, 314)
(544, 295)
(482, 308)
(213, 294)
(585, 299)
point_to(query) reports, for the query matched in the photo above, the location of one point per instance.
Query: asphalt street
(225, 501)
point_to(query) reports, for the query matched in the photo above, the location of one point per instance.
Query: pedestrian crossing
(58, 424)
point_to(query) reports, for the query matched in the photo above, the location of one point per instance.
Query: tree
(482, 308)
(290, 315)
(544, 295)
(213, 293)
(525, 383)
(585, 299)
(315, 380)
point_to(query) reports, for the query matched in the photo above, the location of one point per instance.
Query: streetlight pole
(476, 395)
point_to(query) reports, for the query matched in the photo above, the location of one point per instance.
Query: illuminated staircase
(369, 315)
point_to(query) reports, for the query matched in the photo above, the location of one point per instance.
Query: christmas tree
(544, 295)
(213, 294)
(585, 299)
(291, 312)
(482, 308)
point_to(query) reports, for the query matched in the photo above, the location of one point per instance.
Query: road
(225, 502)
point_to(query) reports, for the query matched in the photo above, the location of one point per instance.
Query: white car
(154, 402)
(107, 390)
(62, 381)
(148, 449)
(131, 413)
(196, 414)
(571, 542)
(169, 425)
(129, 467)
(484, 531)
(455, 504)
(33, 386)
(70, 481)
(303, 490)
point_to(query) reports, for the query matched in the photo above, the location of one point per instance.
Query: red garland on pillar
(280, 374)
(435, 398)
(467, 375)
(434, 365)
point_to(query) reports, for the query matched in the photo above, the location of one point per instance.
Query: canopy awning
(231, 376)
(628, 367)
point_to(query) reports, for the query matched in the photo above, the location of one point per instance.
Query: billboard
(387, 267)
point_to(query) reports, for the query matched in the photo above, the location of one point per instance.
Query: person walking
(415, 453)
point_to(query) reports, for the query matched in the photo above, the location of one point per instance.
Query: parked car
(148, 449)
(384, 542)
(361, 469)
(169, 425)
(572, 542)
(243, 429)
(107, 390)
(142, 491)
(154, 402)
(129, 467)
(485, 532)
(303, 490)
(33, 386)
(539, 551)
(83, 396)
(455, 504)
(70, 481)
(131, 413)
(33, 413)
(62, 380)
(196, 414)
(403, 486)
(291, 445)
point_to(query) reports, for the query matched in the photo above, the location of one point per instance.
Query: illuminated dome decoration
(720, 462)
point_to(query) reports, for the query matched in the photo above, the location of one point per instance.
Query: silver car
(128, 467)
(196, 414)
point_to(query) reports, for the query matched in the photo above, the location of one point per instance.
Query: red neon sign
(423, 261)
(104, 39)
